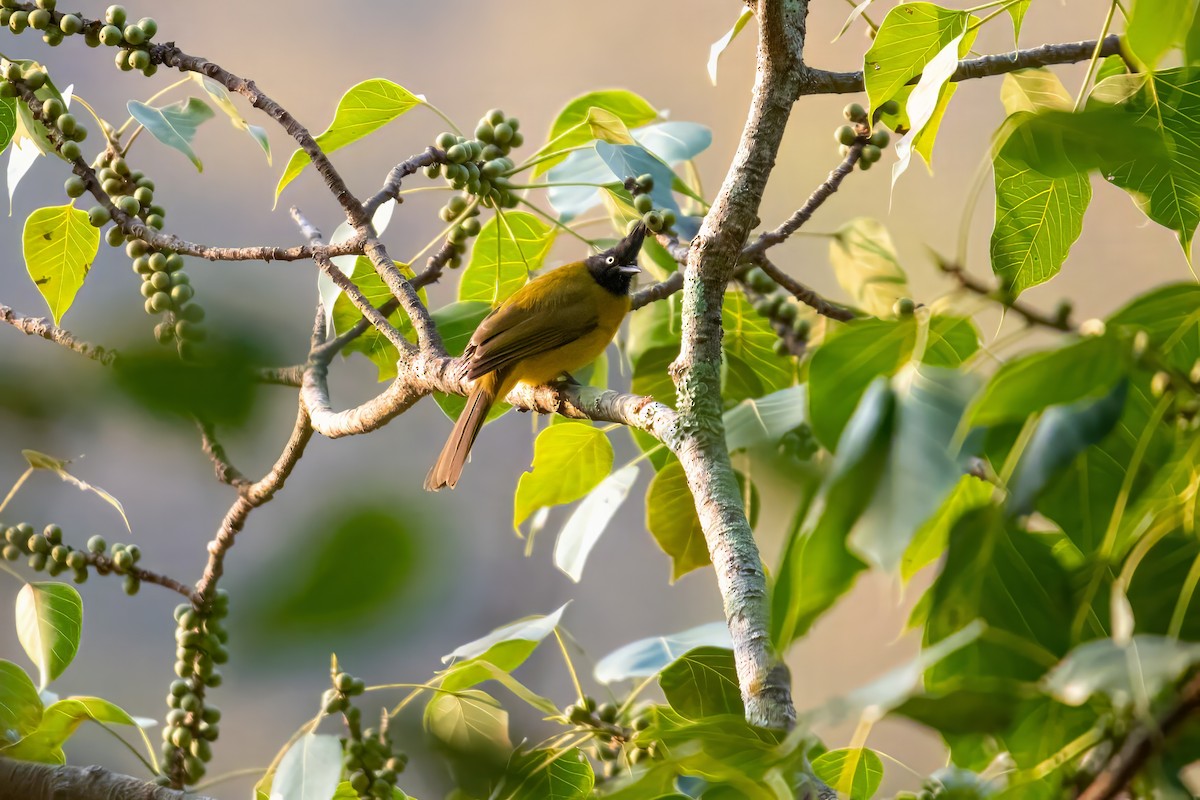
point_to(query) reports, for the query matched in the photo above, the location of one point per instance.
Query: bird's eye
(610, 260)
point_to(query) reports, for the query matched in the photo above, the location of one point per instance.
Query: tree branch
(1031, 315)
(226, 472)
(40, 326)
(819, 81)
(25, 780)
(803, 293)
(391, 186)
(1142, 744)
(700, 440)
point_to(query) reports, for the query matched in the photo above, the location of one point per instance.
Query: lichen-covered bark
(23, 780)
(697, 372)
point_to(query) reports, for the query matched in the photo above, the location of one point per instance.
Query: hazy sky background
(470, 573)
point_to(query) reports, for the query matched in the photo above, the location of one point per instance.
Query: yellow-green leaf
(865, 263)
(365, 108)
(568, 462)
(909, 37)
(373, 344)
(49, 621)
(224, 102)
(468, 722)
(59, 246)
(854, 772)
(1034, 90)
(571, 128)
(510, 246)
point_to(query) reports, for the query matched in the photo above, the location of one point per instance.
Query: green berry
(161, 281)
(904, 307)
(80, 134)
(121, 559)
(76, 560)
(645, 182)
(37, 561)
(147, 289)
(53, 36)
(75, 185)
(114, 236)
(192, 313)
(643, 203)
(174, 262)
(35, 79)
(495, 116)
(70, 150)
(847, 135)
(880, 138)
(59, 553)
(180, 278)
(864, 165)
(149, 26)
(871, 153)
(113, 187)
(891, 108)
(52, 108)
(134, 34)
(155, 221)
(91, 37)
(653, 221)
(70, 24)
(12, 552)
(19, 21)
(503, 133)
(115, 15)
(181, 294)
(855, 113)
(40, 19)
(122, 60)
(110, 35)
(129, 205)
(49, 5)
(98, 216)
(446, 140)
(139, 59)
(144, 196)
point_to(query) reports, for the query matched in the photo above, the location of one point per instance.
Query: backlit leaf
(908, 38)
(703, 683)
(589, 520)
(645, 657)
(59, 245)
(174, 125)
(855, 772)
(510, 246)
(719, 46)
(865, 264)
(310, 770)
(570, 128)
(568, 462)
(49, 622)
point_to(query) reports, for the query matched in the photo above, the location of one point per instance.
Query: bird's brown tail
(454, 454)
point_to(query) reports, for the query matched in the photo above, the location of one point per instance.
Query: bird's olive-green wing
(517, 331)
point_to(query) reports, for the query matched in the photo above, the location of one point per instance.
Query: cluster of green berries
(369, 757)
(860, 131)
(133, 39)
(612, 737)
(47, 551)
(466, 213)
(481, 166)
(655, 219)
(191, 725)
(54, 26)
(129, 190)
(63, 129)
(777, 306)
(168, 291)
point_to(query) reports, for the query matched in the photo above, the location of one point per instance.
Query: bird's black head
(615, 267)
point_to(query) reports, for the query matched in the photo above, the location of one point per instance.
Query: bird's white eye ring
(610, 260)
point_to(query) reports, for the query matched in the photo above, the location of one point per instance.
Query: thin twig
(1031, 315)
(819, 81)
(803, 293)
(226, 472)
(40, 326)
(391, 186)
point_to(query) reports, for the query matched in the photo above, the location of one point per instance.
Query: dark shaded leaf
(703, 683)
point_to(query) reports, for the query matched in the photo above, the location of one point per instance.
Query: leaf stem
(570, 665)
(442, 114)
(1095, 60)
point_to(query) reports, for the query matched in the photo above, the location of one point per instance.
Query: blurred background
(352, 557)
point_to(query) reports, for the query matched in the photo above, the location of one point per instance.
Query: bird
(555, 323)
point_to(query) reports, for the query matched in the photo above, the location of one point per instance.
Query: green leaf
(1086, 368)
(589, 520)
(59, 245)
(20, 704)
(550, 775)
(703, 683)
(996, 572)
(1038, 218)
(568, 462)
(763, 420)
(1034, 90)
(929, 541)
(570, 128)
(950, 341)
(1167, 191)
(8, 121)
(1170, 315)
(28, 127)
(1060, 144)
(865, 263)
(506, 647)
(1125, 674)
(58, 466)
(311, 769)
(510, 246)
(853, 772)
(908, 38)
(846, 363)
(59, 722)
(647, 657)
(672, 520)
(751, 367)
(329, 588)
(1155, 26)
(1062, 433)
(468, 722)
(1017, 12)
(922, 466)
(364, 109)
(174, 125)
(817, 567)
(986, 706)
(630, 161)
(718, 47)
(49, 622)
(927, 102)
(221, 97)
(371, 343)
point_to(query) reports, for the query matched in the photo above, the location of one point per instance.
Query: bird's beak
(628, 248)
(629, 269)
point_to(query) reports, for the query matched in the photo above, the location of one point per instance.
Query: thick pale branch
(819, 81)
(40, 326)
(25, 780)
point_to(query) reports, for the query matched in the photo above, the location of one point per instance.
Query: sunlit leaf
(908, 38)
(719, 46)
(371, 343)
(26, 146)
(49, 623)
(468, 722)
(8, 121)
(865, 264)
(751, 367)
(20, 704)
(570, 128)
(568, 462)
(1170, 316)
(646, 657)
(365, 108)
(221, 97)
(59, 245)
(702, 683)
(310, 770)
(174, 125)
(58, 466)
(588, 521)
(59, 722)
(855, 772)
(1155, 26)
(548, 774)
(510, 246)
